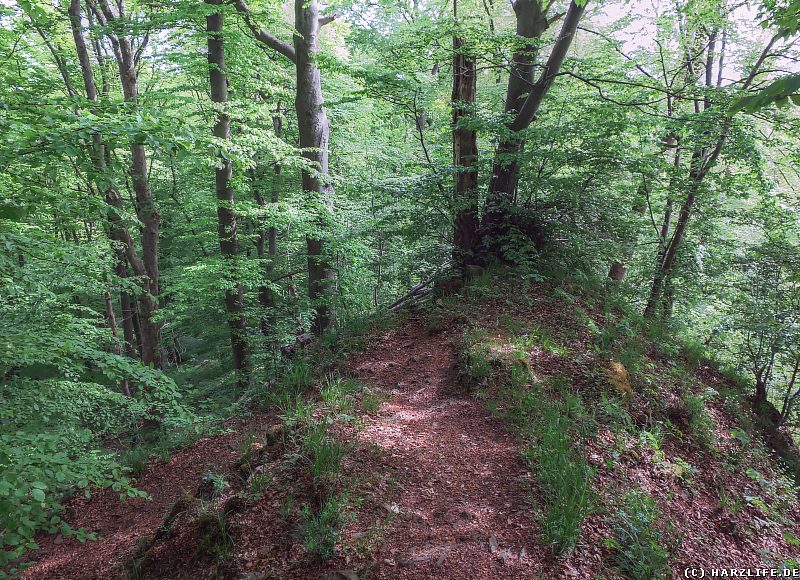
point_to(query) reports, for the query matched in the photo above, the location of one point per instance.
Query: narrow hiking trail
(448, 493)
(461, 494)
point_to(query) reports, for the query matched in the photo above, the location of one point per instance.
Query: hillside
(518, 429)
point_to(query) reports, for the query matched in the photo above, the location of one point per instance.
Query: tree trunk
(703, 160)
(146, 269)
(268, 238)
(619, 268)
(226, 218)
(465, 154)
(312, 124)
(523, 99)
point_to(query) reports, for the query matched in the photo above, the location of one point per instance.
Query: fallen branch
(419, 290)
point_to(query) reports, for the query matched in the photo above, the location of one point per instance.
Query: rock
(447, 286)
(492, 544)
(505, 556)
(443, 556)
(392, 508)
(252, 576)
(619, 377)
(339, 575)
(473, 271)
(389, 562)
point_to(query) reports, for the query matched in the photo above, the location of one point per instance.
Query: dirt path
(461, 489)
(448, 493)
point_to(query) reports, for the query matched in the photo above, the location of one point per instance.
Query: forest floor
(436, 486)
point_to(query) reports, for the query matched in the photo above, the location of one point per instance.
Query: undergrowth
(548, 425)
(639, 545)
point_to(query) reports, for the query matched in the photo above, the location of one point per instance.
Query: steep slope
(427, 454)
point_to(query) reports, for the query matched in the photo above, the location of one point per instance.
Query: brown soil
(438, 486)
(458, 496)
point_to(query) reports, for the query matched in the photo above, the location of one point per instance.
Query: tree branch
(262, 35)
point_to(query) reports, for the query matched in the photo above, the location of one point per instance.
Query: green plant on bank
(323, 453)
(371, 401)
(547, 424)
(321, 531)
(700, 423)
(287, 506)
(259, 482)
(639, 546)
(36, 471)
(336, 393)
(564, 477)
(215, 537)
(543, 339)
(295, 411)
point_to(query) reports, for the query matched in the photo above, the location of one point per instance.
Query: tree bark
(465, 154)
(312, 124)
(145, 205)
(266, 244)
(703, 160)
(523, 99)
(119, 234)
(226, 218)
(619, 268)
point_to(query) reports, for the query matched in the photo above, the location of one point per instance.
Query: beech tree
(314, 133)
(226, 216)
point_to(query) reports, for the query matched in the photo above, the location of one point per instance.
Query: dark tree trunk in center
(523, 99)
(465, 154)
(226, 218)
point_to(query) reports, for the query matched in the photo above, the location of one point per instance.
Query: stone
(492, 544)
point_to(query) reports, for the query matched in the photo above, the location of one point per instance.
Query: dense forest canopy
(193, 191)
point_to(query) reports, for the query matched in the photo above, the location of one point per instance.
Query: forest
(399, 288)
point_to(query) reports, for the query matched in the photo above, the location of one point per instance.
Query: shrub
(36, 471)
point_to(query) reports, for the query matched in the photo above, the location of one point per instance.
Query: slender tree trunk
(145, 205)
(465, 153)
(312, 123)
(128, 333)
(703, 160)
(266, 244)
(119, 234)
(226, 218)
(111, 320)
(619, 268)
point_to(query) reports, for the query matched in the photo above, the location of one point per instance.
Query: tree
(127, 59)
(314, 132)
(226, 216)
(523, 99)
(465, 150)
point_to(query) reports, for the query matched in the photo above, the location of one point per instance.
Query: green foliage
(36, 471)
(323, 453)
(549, 425)
(215, 538)
(700, 423)
(627, 141)
(639, 546)
(322, 531)
(564, 476)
